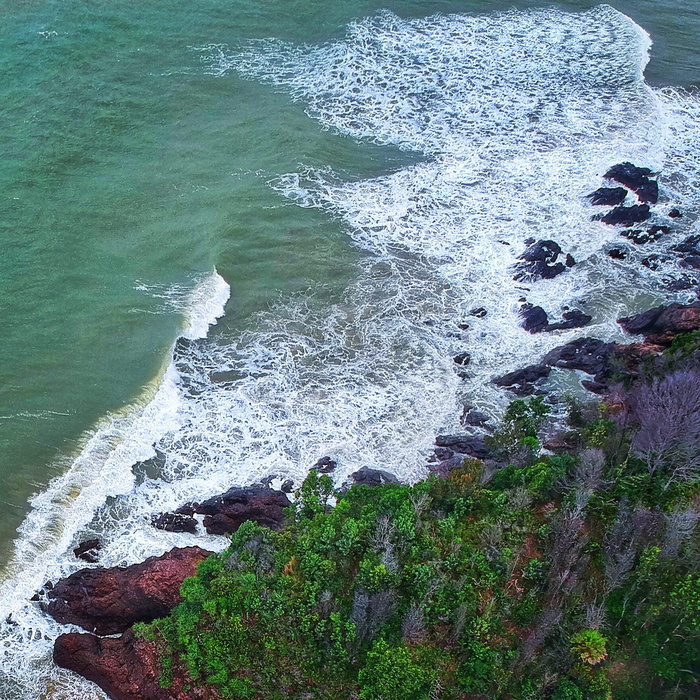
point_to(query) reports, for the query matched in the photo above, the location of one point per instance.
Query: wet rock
(479, 312)
(108, 601)
(539, 262)
(475, 418)
(569, 261)
(641, 323)
(588, 355)
(224, 514)
(325, 465)
(630, 176)
(653, 262)
(366, 476)
(691, 261)
(187, 509)
(608, 196)
(572, 319)
(463, 359)
(89, 550)
(521, 381)
(287, 486)
(126, 667)
(661, 324)
(675, 213)
(648, 192)
(535, 319)
(624, 216)
(636, 235)
(150, 468)
(689, 245)
(617, 254)
(471, 445)
(174, 522)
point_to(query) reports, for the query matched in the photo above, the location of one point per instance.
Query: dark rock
(373, 477)
(675, 213)
(689, 245)
(535, 318)
(626, 215)
(682, 284)
(521, 381)
(287, 486)
(479, 312)
(595, 386)
(126, 667)
(325, 465)
(463, 326)
(475, 418)
(617, 254)
(692, 261)
(572, 319)
(463, 359)
(472, 445)
(648, 192)
(641, 323)
(187, 509)
(629, 175)
(653, 262)
(608, 196)
(588, 355)
(637, 236)
(570, 262)
(108, 601)
(88, 550)
(225, 513)
(539, 262)
(174, 522)
(655, 232)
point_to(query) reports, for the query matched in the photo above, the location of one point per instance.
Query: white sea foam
(518, 116)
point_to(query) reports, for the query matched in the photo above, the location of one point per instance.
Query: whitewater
(515, 117)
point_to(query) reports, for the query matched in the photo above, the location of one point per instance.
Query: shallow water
(354, 186)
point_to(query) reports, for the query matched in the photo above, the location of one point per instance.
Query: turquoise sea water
(142, 147)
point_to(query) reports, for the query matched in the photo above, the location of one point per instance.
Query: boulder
(588, 355)
(471, 445)
(325, 465)
(366, 476)
(636, 179)
(109, 601)
(521, 381)
(479, 312)
(626, 215)
(462, 359)
(675, 213)
(476, 418)
(648, 192)
(572, 319)
(617, 254)
(224, 514)
(608, 196)
(126, 667)
(174, 522)
(535, 318)
(539, 262)
(89, 550)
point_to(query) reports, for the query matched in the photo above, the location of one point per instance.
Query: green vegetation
(571, 575)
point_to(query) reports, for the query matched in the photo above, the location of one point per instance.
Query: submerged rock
(225, 513)
(109, 601)
(126, 667)
(89, 550)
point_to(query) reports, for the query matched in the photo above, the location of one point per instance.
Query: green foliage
(458, 586)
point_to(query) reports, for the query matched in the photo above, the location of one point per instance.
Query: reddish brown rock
(662, 323)
(226, 513)
(108, 601)
(126, 667)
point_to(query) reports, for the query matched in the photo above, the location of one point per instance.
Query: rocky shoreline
(109, 601)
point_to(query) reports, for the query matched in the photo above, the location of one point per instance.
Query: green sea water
(124, 164)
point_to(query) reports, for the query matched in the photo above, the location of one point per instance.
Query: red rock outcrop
(109, 601)
(126, 667)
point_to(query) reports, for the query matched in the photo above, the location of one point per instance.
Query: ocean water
(313, 198)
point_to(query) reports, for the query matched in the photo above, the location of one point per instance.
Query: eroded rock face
(109, 601)
(126, 667)
(227, 512)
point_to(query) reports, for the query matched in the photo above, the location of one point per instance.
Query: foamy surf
(518, 115)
